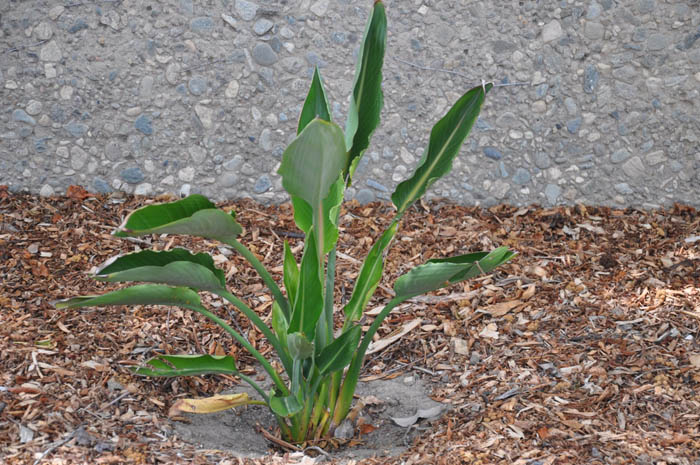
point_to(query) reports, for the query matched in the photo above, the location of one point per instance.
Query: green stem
(264, 274)
(255, 319)
(348, 388)
(244, 342)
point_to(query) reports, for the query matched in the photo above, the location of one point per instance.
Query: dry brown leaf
(500, 309)
(212, 404)
(383, 343)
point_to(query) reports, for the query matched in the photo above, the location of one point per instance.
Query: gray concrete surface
(188, 96)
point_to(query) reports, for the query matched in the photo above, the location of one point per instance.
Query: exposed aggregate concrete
(187, 96)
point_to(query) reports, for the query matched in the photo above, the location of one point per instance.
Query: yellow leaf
(212, 404)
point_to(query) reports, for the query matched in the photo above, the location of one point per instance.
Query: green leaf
(300, 348)
(366, 101)
(280, 324)
(338, 354)
(303, 214)
(308, 303)
(313, 161)
(369, 277)
(285, 406)
(194, 215)
(446, 138)
(187, 365)
(143, 294)
(177, 267)
(315, 105)
(439, 273)
(291, 273)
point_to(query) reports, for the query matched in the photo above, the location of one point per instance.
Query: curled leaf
(212, 404)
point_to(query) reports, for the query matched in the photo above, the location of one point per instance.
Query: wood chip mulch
(583, 349)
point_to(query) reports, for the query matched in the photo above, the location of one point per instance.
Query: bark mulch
(583, 349)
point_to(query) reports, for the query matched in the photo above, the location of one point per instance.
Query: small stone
(232, 89)
(197, 85)
(265, 139)
(146, 87)
(202, 24)
(492, 153)
(475, 358)
(228, 179)
(286, 33)
(43, 31)
(172, 73)
(198, 154)
(50, 52)
(657, 42)
(263, 184)
(228, 19)
(552, 192)
(143, 189)
(66, 92)
(234, 164)
(594, 10)
(78, 26)
(56, 11)
(132, 175)
(246, 10)
(46, 191)
(655, 158)
(143, 124)
(186, 174)
(551, 31)
(262, 26)
(573, 125)
(521, 176)
(345, 430)
(205, 115)
(319, 8)
(376, 185)
(187, 7)
(634, 168)
(539, 106)
(33, 107)
(542, 160)
(594, 31)
(623, 188)
(365, 196)
(76, 129)
(78, 158)
(101, 186)
(619, 156)
(570, 105)
(645, 6)
(185, 190)
(590, 79)
(169, 180)
(22, 117)
(264, 55)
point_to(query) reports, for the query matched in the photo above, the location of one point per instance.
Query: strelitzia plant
(319, 364)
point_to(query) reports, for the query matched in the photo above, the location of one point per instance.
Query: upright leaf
(308, 303)
(369, 277)
(439, 273)
(310, 166)
(366, 100)
(142, 294)
(338, 354)
(177, 267)
(300, 348)
(194, 215)
(187, 365)
(446, 138)
(285, 406)
(291, 273)
(280, 325)
(315, 105)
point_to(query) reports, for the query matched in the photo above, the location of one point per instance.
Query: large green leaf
(446, 138)
(285, 406)
(143, 294)
(439, 273)
(177, 267)
(369, 277)
(194, 215)
(315, 105)
(308, 303)
(338, 354)
(187, 365)
(366, 100)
